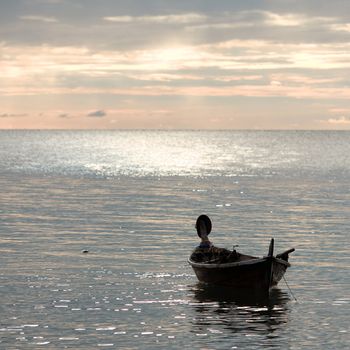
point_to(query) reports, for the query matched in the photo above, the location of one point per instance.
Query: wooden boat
(244, 271)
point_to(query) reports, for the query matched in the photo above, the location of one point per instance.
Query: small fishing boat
(235, 269)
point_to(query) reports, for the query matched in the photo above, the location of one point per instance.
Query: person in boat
(206, 252)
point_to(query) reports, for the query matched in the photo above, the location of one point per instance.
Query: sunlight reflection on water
(174, 153)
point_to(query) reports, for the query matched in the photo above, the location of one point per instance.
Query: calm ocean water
(131, 198)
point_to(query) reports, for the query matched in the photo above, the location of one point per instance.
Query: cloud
(123, 27)
(161, 53)
(97, 114)
(12, 115)
(286, 20)
(341, 27)
(164, 19)
(38, 18)
(302, 79)
(64, 115)
(230, 68)
(293, 19)
(338, 110)
(339, 121)
(256, 24)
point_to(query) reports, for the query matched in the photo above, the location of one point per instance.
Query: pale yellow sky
(228, 65)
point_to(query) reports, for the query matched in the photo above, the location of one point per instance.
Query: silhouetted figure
(206, 252)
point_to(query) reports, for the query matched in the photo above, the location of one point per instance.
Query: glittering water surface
(96, 228)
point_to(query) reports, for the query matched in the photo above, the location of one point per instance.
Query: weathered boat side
(279, 268)
(248, 274)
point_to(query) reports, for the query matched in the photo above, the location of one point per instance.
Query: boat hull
(260, 274)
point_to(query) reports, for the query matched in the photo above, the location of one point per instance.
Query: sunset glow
(251, 67)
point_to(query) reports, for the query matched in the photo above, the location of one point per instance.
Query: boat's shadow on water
(239, 297)
(224, 309)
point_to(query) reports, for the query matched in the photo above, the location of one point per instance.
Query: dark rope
(289, 289)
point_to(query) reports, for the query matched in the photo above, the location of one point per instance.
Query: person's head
(203, 226)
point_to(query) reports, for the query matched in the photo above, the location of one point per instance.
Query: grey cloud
(97, 114)
(137, 24)
(64, 115)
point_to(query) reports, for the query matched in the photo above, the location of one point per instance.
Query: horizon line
(164, 129)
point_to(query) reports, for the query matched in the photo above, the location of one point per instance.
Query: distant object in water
(220, 266)
(85, 251)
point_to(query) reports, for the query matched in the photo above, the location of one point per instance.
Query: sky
(175, 64)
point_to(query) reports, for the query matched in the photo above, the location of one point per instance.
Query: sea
(96, 228)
